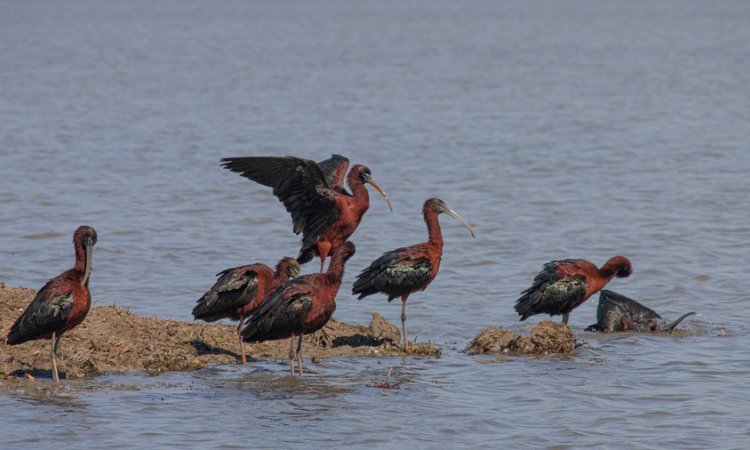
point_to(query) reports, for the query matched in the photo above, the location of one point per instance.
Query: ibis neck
(433, 228)
(359, 191)
(607, 272)
(335, 272)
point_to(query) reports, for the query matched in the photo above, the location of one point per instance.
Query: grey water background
(558, 129)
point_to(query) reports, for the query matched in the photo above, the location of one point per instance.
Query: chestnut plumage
(326, 215)
(299, 306)
(563, 285)
(62, 303)
(240, 291)
(400, 272)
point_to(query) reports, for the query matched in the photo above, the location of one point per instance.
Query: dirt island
(113, 339)
(544, 338)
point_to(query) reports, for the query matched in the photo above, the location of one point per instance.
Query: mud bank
(546, 337)
(113, 339)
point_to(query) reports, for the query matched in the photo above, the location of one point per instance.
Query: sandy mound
(113, 339)
(546, 337)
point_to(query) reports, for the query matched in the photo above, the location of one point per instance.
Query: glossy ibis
(239, 292)
(561, 286)
(325, 215)
(62, 303)
(299, 306)
(400, 272)
(619, 313)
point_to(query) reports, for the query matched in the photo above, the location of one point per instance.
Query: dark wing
(396, 273)
(234, 289)
(334, 169)
(48, 312)
(609, 313)
(281, 314)
(551, 294)
(614, 307)
(298, 183)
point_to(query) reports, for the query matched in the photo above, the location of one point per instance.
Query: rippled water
(558, 129)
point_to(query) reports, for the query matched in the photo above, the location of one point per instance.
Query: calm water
(558, 129)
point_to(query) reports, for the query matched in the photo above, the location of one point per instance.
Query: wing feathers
(394, 274)
(48, 312)
(299, 184)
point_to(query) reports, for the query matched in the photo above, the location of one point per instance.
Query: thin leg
(323, 249)
(403, 323)
(299, 355)
(565, 318)
(53, 351)
(291, 354)
(243, 360)
(57, 343)
(322, 338)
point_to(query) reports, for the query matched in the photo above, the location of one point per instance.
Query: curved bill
(458, 217)
(672, 325)
(381, 191)
(88, 250)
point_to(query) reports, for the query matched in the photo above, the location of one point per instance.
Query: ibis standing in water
(240, 291)
(617, 312)
(62, 303)
(299, 306)
(400, 272)
(562, 286)
(322, 210)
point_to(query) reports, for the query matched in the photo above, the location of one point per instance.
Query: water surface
(576, 129)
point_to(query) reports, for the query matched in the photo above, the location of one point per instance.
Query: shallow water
(575, 129)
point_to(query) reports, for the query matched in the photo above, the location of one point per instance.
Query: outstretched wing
(234, 289)
(48, 312)
(282, 314)
(299, 183)
(551, 293)
(396, 273)
(334, 170)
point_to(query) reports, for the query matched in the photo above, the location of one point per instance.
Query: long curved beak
(381, 191)
(88, 249)
(672, 325)
(458, 217)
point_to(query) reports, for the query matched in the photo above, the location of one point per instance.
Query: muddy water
(583, 129)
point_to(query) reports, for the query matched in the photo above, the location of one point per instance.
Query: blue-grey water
(558, 129)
